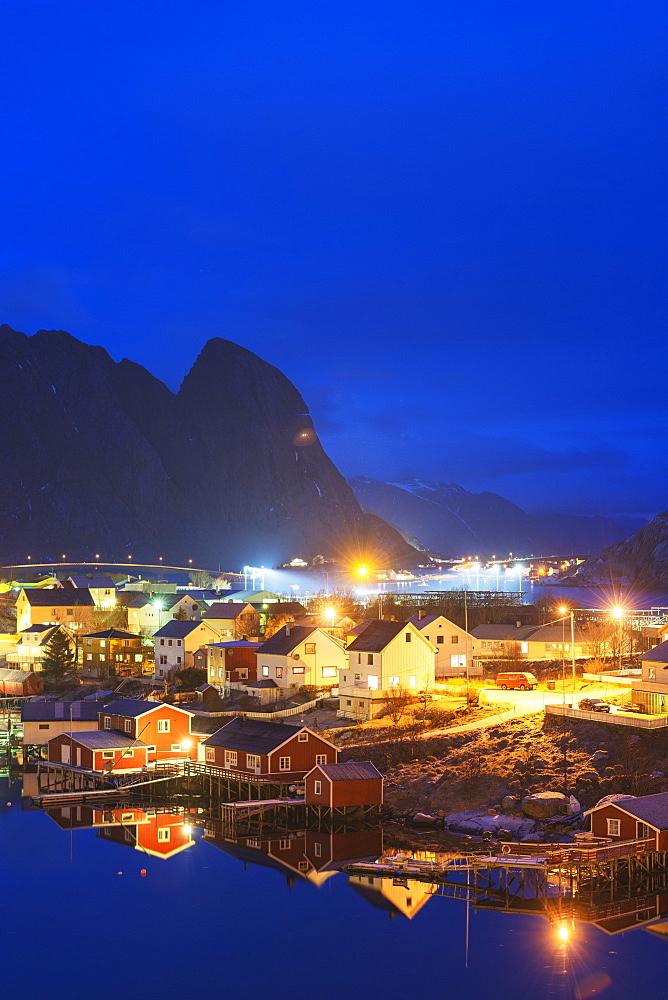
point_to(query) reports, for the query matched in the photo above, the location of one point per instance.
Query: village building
(344, 786)
(147, 613)
(70, 607)
(642, 817)
(516, 641)
(165, 729)
(113, 652)
(400, 897)
(651, 692)
(333, 623)
(387, 660)
(99, 751)
(30, 646)
(102, 589)
(158, 834)
(42, 720)
(233, 619)
(231, 661)
(268, 749)
(454, 646)
(20, 682)
(175, 644)
(300, 656)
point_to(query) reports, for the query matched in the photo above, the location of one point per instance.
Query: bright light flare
(563, 932)
(563, 611)
(362, 571)
(617, 613)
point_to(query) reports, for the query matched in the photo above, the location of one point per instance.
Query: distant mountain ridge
(641, 559)
(100, 456)
(453, 522)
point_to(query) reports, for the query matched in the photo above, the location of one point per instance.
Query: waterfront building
(20, 682)
(270, 749)
(42, 720)
(165, 729)
(99, 751)
(344, 786)
(631, 817)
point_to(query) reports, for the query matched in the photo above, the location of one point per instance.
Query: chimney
(518, 624)
(288, 628)
(420, 614)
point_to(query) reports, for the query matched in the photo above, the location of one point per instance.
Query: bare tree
(397, 701)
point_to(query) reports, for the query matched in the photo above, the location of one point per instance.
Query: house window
(651, 673)
(129, 836)
(394, 682)
(369, 659)
(643, 831)
(230, 758)
(613, 827)
(70, 611)
(89, 642)
(454, 639)
(252, 760)
(302, 738)
(163, 725)
(169, 642)
(283, 763)
(128, 725)
(108, 754)
(102, 657)
(107, 722)
(411, 681)
(164, 834)
(439, 640)
(178, 659)
(176, 746)
(163, 659)
(265, 671)
(303, 866)
(457, 660)
(284, 845)
(298, 670)
(150, 749)
(372, 681)
(103, 642)
(348, 702)
(210, 755)
(162, 642)
(89, 656)
(317, 787)
(321, 758)
(317, 850)
(329, 672)
(279, 672)
(44, 725)
(128, 753)
(309, 647)
(408, 637)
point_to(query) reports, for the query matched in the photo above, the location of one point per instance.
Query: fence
(613, 718)
(283, 713)
(625, 677)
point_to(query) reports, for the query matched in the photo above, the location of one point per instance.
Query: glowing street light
(362, 571)
(331, 614)
(618, 613)
(563, 933)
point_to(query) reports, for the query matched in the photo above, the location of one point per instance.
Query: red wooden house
(269, 749)
(164, 728)
(97, 750)
(20, 682)
(343, 786)
(161, 835)
(631, 818)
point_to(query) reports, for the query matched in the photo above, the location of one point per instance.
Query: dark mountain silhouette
(641, 559)
(101, 457)
(453, 522)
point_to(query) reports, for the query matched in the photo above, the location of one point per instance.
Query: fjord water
(80, 921)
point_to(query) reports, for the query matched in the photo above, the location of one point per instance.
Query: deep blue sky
(445, 222)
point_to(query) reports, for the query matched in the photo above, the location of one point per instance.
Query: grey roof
(659, 654)
(6, 674)
(105, 739)
(177, 629)
(223, 610)
(505, 632)
(263, 682)
(358, 629)
(651, 809)
(236, 644)
(204, 724)
(131, 708)
(423, 622)
(53, 711)
(111, 633)
(376, 636)
(281, 643)
(37, 628)
(350, 771)
(98, 582)
(252, 735)
(59, 598)
(510, 632)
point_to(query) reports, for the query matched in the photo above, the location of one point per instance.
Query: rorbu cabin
(100, 751)
(268, 749)
(20, 682)
(344, 786)
(642, 817)
(164, 728)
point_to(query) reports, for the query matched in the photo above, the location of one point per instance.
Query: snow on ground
(477, 821)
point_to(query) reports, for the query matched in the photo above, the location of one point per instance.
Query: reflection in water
(157, 832)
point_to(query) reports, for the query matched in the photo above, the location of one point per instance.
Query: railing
(614, 718)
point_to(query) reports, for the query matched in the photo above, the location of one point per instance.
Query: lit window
(329, 672)
(372, 681)
(411, 681)
(102, 641)
(265, 671)
(299, 670)
(252, 760)
(394, 682)
(210, 754)
(279, 672)
(230, 758)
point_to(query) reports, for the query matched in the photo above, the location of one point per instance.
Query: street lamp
(618, 613)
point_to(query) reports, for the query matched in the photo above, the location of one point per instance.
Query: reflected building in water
(155, 832)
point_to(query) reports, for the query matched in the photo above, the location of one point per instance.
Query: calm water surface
(203, 923)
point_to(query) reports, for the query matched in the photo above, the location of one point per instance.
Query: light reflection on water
(272, 915)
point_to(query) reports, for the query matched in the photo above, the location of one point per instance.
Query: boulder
(508, 802)
(573, 805)
(424, 819)
(542, 805)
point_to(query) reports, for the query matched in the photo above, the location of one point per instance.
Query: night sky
(445, 222)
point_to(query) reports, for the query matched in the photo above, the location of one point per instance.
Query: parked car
(518, 680)
(594, 705)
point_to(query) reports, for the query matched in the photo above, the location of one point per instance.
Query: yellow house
(70, 607)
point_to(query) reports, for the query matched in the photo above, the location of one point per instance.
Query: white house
(149, 612)
(102, 589)
(454, 646)
(301, 655)
(175, 644)
(233, 619)
(385, 659)
(31, 643)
